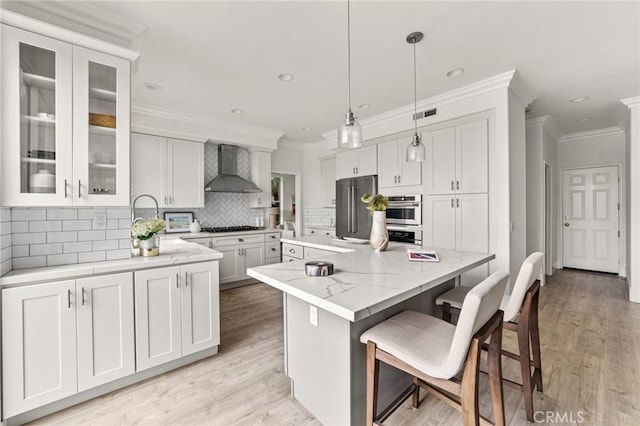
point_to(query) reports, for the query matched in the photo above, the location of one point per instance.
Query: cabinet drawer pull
(452, 185)
(68, 298)
(273, 249)
(452, 206)
(292, 251)
(240, 240)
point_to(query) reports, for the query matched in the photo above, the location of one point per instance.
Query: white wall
(287, 159)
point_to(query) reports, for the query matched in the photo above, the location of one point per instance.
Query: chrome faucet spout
(133, 207)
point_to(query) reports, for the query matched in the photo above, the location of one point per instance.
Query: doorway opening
(285, 212)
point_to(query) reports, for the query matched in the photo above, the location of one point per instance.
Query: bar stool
(434, 352)
(521, 316)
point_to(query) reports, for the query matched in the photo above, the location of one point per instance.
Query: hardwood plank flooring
(590, 341)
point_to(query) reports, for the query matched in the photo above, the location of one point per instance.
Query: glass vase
(150, 247)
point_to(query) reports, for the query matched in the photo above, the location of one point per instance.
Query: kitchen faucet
(134, 219)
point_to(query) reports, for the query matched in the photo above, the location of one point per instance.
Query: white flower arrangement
(147, 228)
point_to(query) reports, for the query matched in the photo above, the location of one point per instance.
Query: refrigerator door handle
(349, 208)
(354, 213)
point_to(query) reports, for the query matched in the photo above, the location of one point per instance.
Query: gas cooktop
(237, 228)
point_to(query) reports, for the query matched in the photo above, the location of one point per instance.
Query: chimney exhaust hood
(228, 179)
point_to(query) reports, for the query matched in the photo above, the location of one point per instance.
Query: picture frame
(178, 221)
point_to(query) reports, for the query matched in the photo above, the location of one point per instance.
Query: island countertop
(365, 281)
(172, 252)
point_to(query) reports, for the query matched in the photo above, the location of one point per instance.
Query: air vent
(424, 114)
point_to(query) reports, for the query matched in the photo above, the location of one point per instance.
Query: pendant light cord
(415, 91)
(349, 54)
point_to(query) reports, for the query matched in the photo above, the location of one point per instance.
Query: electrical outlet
(313, 315)
(99, 220)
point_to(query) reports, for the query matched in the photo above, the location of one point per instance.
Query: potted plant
(379, 238)
(145, 231)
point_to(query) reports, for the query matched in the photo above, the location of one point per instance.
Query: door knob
(566, 224)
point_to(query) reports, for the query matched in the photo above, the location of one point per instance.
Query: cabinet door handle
(79, 185)
(457, 202)
(82, 295)
(357, 170)
(165, 200)
(457, 184)
(395, 179)
(65, 189)
(240, 240)
(170, 199)
(68, 298)
(186, 279)
(452, 203)
(177, 280)
(399, 180)
(452, 185)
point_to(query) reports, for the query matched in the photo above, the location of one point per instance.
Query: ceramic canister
(43, 181)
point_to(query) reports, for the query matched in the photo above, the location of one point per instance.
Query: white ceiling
(213, 56)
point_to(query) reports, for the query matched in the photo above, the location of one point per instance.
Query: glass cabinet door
(36, 105)
(101, 128)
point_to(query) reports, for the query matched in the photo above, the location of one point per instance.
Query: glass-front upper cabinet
(65, 123)
(37, 119)
(101, 131)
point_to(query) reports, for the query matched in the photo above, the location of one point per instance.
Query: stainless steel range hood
(228, 179)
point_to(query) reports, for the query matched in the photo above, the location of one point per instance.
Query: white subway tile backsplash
(29, 262)
(92, 256)
(76, 225)
(91, 235)
(5, 254)
(118, 254)
(76, 247)
(62, 237)
(122, 213)
(5, 241)
(116, 234)
(125, 243)
(88, 213)
(62, 214)
(44, 249)
(31, 238)
(62, 259)
(5, 267)
(105, 245)
(5, 228)
(28, 214)
(5, 214)
(45, 226)
(20, 251)
(17, 227)
(124, 223)
(113, 223)
(319, 216)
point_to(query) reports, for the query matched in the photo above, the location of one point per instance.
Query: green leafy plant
(376, 202)
(147, 228)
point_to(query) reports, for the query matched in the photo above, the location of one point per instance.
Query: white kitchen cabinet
(239, 253)
(327, 232)
(357, 162)
(328, 172)
(260, 174)
(393, 168)
(64, 337)
(65, 139)
(172, 170)
(314, 253)
(177, 312)
(458, 159)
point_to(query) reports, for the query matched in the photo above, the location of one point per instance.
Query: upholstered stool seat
(520, 315)
(434, 352)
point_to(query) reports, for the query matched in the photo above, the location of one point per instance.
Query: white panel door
(472, 222)
(346, 164)
(410, 172)
(157, 312)
(106, 348)
(200, 307)
(38, 345)
(388, 164)
(230, 264)
(590, 219)
(186, 174)
(252, 255)
(441, 158)
(152, 180)
(440, 222)
(472, 159)
(367, 161)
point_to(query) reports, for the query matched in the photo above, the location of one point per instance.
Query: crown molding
(30, 24)
(500, 81)
(537, 121)
(546, 123)
(290, 144)
(631, 103)
(609, 131)
(520, 89)
(230, 126)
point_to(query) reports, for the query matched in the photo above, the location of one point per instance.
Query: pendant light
(350, 132)
(415, 151)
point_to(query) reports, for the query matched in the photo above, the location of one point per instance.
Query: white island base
(325, 316)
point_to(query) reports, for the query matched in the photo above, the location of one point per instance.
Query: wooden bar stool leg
(446, 312)
(495, 376)
(416, 393)
(373, 365)
(469, 390)
(535, 345)
(525, 363)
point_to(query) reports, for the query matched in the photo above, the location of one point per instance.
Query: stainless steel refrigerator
(353, 220)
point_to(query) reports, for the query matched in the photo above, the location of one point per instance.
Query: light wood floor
(590, 338)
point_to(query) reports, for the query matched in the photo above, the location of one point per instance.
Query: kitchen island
(325, 316)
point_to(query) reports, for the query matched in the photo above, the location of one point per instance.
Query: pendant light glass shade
(350, 132)
(415, 151)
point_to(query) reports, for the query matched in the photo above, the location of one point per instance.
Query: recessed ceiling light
(580, 99)
(582, 120)
(363, 106)
(285, 77)
(306, 129)
(237, 111)
(152, 86)
(455, 72)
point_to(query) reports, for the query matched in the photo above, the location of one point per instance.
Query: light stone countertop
(172, 252)
(364, 281)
